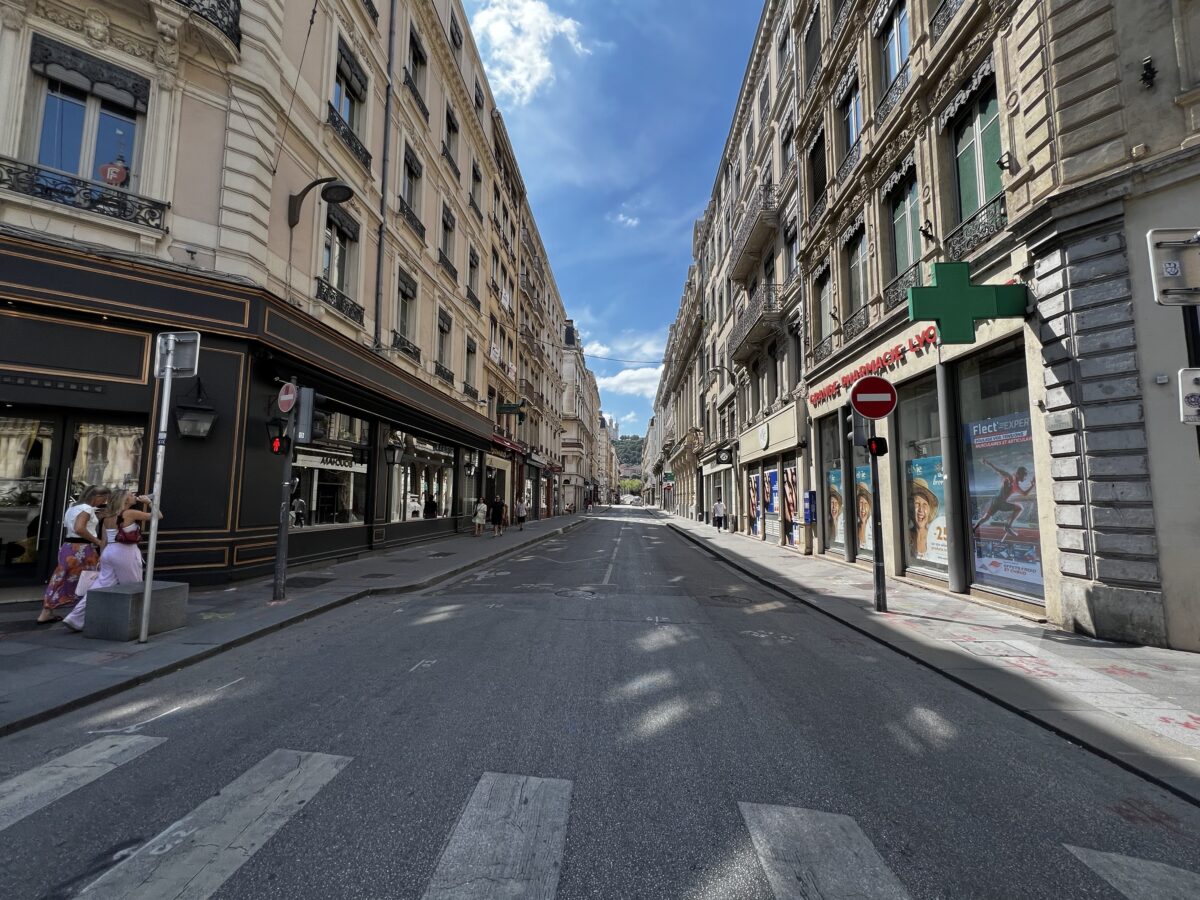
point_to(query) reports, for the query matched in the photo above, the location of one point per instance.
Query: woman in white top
(79, 553)
(480, 518)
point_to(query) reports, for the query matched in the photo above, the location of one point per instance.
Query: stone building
(336, 202)
(1037, 457)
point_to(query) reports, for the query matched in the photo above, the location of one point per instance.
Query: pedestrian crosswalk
(509, 841)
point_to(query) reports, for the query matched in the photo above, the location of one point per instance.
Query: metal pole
(877, 535)
(160, 452)
(279, 591)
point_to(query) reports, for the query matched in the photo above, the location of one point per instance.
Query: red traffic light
(877, 446)
(280, 445)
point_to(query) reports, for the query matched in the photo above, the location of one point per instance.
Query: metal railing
(411, 84)
(763, 201)
(857, 323)
(942, 17)
(852, 157)
(475, 208)
(894, 92)
(223, 15)
(45, 184)
(896, 293)
(331, 296)
(764, 302)
(405, 346)
(409, 216)
(474, 299)
(818, 208)
(449, 157)
(470, 391)
(445, 263)
(443, 373)
(839, 23)
(990, 220)
(823, 350)
(349, 138)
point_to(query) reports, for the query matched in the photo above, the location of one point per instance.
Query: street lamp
(334, 191)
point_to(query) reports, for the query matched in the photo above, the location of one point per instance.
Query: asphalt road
(613, 714)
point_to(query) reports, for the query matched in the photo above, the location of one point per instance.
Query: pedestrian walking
(481, 515)
(79, 554)
(718, 514)
(430, 511)
(121, 558)
(497, 516)
(522, 511)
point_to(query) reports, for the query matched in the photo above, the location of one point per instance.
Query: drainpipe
(383, 178)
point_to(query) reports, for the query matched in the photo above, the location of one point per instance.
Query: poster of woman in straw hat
(836, 526)
(862, 509)
(926, 498)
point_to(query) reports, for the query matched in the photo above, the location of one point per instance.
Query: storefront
(959, 498)
(717, 472)
(770, 455)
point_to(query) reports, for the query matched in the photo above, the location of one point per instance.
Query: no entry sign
(287, 397)
(873, 397)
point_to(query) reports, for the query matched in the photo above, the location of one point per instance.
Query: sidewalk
(48, 670)
(1134, 705)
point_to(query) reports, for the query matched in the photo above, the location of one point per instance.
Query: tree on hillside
(631, 486)
(629, 449)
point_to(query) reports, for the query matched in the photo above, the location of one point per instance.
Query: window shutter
(355, 75)
(410, 160)
(88, 73)
(407, 285)
(444, 321)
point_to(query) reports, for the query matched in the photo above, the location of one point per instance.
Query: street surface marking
(39, 787)
(1140, 879)
(200, 852)
(612, 562)
(138, 726)
(508, 843)
(423, 664)
(806, 853)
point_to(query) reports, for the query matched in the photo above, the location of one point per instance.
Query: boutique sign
(885, 362)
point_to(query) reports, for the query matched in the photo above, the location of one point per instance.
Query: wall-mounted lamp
(392, 454)
(334, 191)
(927, 230)
(195, 419)
(1149, 73)
(1005, 161)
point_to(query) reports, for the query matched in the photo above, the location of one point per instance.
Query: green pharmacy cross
(955, 304)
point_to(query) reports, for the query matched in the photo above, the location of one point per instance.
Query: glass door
(27, 445)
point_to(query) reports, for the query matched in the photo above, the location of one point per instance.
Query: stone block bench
(115, 613)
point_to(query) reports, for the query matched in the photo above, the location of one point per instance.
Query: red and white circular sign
(287, 397)
(873, 397)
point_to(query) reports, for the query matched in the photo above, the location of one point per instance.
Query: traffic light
(280, 445)
(877, 446)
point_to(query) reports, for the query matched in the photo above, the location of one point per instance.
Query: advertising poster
(835, 523)
(753, 503)
(862, 509)
(789, 505)
(772, 496)
(926, 519)
(1003, 503)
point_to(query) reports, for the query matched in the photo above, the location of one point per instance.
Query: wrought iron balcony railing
(443, 373)
(896, 293)
(449, 157)
(823, 350)
(990, 220)
(45, 184)
(371, 11)
(474, 300)
(818, 208)
(349, 138)
(763, 309)
(839, 23)
(527, 284)
(852, 157)
(405, 346)
(470, 391)
(760, 216)
(331, 296)
(409, 216)
(942, 17)
(223, 15)
(893, 94)
(411, 84)
(445, 263)
(475, 208)
(857, 323)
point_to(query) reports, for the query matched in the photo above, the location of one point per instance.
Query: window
(473, 271)
(456, 37)
(406, 312)
(783, 51)
(906, 234)
(816, 170)
(749, 144)
(976, 149)
(812, 45)
(341, 234)
(824, 293)
(476, 184)
(418, 62)
(91, 115)
(410, 188)
(472, 356)
(924, 478)
(452, 136)
(331, 486)
(856, 270)
(495, 266)
(851, 115)
(764, 103)
(791, 250)
(787, 147)
(478, 96)
(445, 326)
(447, 232)
(894, 43)
(349, 87)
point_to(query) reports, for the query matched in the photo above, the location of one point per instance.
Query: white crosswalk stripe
(1140, 879)
(508, 843)
(39, 787)
(806, 853)
(196, 855)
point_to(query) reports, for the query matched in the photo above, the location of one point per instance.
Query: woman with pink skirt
(121, 559)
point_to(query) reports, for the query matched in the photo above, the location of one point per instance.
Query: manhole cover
(731, 599)
(307, 581)
(441, 555)
(580, 595)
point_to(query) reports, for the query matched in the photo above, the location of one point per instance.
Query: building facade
(336, 204)
(1036, 453)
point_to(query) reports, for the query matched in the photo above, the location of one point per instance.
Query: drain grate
(575, 594)
(307, 581)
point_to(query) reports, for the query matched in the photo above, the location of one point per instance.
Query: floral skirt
(73, 560)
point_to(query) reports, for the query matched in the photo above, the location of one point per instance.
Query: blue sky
(618, 111)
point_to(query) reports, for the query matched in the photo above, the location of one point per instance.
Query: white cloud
(595, 348)
(629, 417)
(641, 382)
(625, 221)
(515, 37)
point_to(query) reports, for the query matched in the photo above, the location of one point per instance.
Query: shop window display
(864, 498)
(831, 483)
(332, 475)
(926, 544)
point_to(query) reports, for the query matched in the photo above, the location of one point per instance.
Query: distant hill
(629, 449)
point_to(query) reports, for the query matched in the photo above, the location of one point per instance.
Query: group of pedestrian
(496, 513)
(99, 550)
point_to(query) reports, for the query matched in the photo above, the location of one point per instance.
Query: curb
(209, 652)
(1029, 716)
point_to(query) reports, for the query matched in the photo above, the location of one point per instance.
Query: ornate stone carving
(11, 18)
(95, 27)
(118, 38)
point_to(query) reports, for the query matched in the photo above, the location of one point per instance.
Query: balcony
(474, 300)
(407, 214)
(443, 373)
(942, 18)
(759, 221)
(527, 285)
(991, 219)
(818, 209)
(852, 157)
(416, 93)
(223, 15)
(44, 184)
(470, 391)
(475, 208)
(371, 11)
(348, 137)
(841, 17)
(405, 346)
(444, 262)
(331, 296)
(823, 350)
(528, 241)
(896, 293)
(528, 337)
(892, 97)
(755, 324)
(857, 323)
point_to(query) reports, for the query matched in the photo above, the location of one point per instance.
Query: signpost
(1175, 265)
(875, 398)
(286, 401)
(177, 355)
